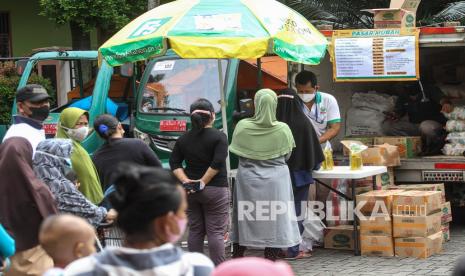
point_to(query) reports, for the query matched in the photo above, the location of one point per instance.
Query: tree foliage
(348, 13)
(9, 80)
(89, 14)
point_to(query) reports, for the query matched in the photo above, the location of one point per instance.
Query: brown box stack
(417, 223)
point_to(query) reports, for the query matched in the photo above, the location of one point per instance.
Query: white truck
(442, 53)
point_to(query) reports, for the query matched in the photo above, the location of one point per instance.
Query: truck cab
(78, 81)
(170, 85)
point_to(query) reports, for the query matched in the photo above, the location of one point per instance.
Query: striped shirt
(164, 260)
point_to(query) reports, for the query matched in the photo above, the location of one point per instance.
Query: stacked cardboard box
(446, 208)
(417, 223)
(339, 237)
(400, 14)
(408, 147)
(376, 223)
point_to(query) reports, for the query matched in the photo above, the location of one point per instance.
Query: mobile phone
(193, 186)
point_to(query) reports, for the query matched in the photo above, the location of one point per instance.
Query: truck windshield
(173, 85)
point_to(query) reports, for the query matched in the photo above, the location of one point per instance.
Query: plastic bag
(453, 149)
(337, 212)
(458, 113)
(313, 229)
(456, 138)
(328, 163)
(455, 126)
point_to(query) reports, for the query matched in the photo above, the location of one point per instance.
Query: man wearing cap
(32, 102)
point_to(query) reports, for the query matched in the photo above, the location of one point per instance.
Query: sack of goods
(456, 127)
(370, 106)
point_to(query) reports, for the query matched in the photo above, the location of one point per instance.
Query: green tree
(348, 13)
(85, 15)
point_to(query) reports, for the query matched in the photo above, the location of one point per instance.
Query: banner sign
(375, 55)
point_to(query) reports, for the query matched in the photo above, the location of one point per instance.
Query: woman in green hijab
(74, 125)
(264, 213)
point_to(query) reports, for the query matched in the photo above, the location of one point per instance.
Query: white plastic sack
(313, 229)
(455, 126)
(456, 138)
(453, 149)
(373, 100)
(364, 121)
(458, 113)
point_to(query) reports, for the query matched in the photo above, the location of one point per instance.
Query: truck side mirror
(246, 107)
(127, 70)
(20, 65)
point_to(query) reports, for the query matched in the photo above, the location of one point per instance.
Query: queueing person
(24, 203)
(151, 210)
(74, 125)
(32, 103)
(118, 149)
(66, 238)
(305, 157)
(52, 164)
(262, 144)
(204, 149)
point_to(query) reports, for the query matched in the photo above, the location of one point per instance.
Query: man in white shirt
(321, 108)
(32, 102)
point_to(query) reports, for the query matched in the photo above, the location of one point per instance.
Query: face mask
(174, 238)
(39, 113)
(78, 134)
(307, 97)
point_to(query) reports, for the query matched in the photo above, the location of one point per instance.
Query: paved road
(334, 262)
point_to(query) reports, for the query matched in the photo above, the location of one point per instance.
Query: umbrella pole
(224, 115)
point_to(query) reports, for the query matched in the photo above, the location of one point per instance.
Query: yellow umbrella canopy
(240, 29)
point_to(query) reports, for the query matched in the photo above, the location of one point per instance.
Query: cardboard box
(377, 246)
(416, 203)
(445, 232)
(422, 187)
(360, 190)
(408, 146)
(339, 237)
(380, 199)
(446, 213)
(376, 226)
(366, 140)
(393, 18)
(409, 5)
(419, 247)
(381, 155)
(416, 226)
(384, 180)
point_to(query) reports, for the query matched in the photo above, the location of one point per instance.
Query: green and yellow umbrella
(242, 29)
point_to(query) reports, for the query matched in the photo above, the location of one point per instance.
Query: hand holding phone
(193, 186)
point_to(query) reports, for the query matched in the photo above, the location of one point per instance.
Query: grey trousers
(432, 133)
(208, 214)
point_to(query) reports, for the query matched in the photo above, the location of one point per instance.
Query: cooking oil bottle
(328, 163)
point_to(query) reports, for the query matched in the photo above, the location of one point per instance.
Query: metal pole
(224, 118)
(259, 73)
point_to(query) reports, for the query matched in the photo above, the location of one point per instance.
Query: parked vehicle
(78, 81)
(170, 84)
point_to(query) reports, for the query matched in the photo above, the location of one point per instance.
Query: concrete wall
(30, 30)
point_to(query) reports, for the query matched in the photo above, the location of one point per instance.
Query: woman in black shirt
(204, 150)
(118, 149)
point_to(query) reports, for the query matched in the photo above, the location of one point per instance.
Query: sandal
(301, 255)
